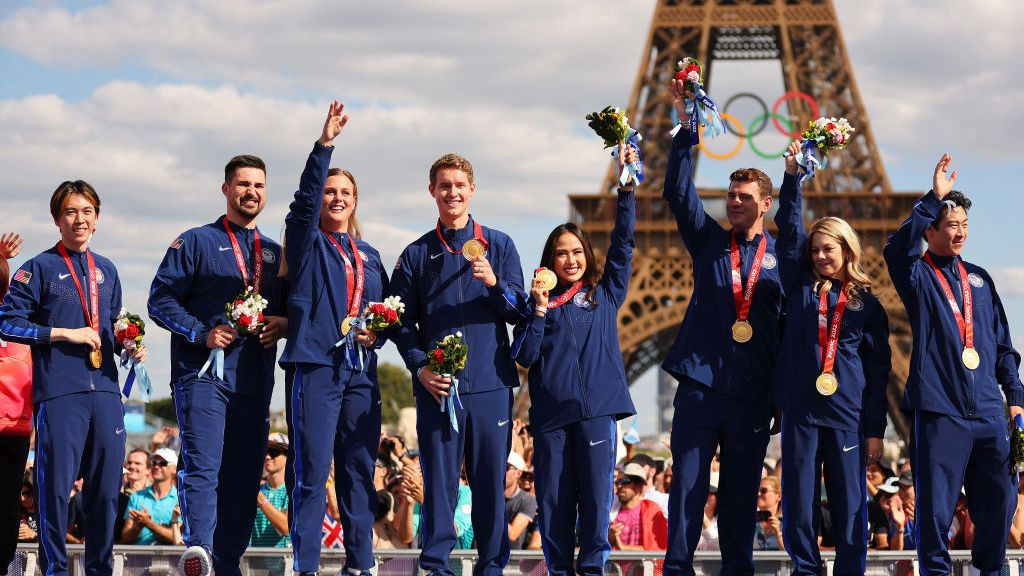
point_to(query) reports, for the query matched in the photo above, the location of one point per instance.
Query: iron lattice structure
(804, 35)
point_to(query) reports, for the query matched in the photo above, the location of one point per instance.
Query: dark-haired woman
(335, 399)
(578, 387)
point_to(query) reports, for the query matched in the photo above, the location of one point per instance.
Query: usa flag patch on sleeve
(177, 244)
(23, 276)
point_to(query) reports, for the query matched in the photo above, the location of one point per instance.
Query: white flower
(458, 334)
(395, 303)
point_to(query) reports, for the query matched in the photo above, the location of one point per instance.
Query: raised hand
(334, 123)
(677, 89)
(10, 245)
(940, 183)
(540, 295)
(482, 271)
(791, 164)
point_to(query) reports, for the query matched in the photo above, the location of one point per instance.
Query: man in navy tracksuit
(222, 407)
(64, 303)
(723, 357)
(445, 294)
(961, 358)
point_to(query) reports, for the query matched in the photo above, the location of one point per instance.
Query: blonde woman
(831, 383)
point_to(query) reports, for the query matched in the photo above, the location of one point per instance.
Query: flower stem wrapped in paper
(383, 315)
(1017, 445)
(702, 109)
(822, 137)
(447, 358)
(244, 314)
(128, 330)
(613, 127)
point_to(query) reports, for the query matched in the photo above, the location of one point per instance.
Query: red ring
(815, 111)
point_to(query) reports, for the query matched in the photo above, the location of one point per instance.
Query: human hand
(26, 534)
(942, 185)
(10, 245)
(792, 167)
(1016, 411)
(141, 517)
(334, 123)
(626, 155)
(896, 510)
(874, 451)
(482, 271)
(139, 354)
(540, 295)
(221, 336)
(274, 328)
(85, 336)
(436, 384)
(677, 89)
(367, 338)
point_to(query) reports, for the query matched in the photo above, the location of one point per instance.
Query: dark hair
(645, 460)
(385, 501)
(69, 188)
(593, 273)
(243, 161)
(764, 183)
(5, 278)
(137, 451)
(451, 160)
(955, 197)
(353, 223)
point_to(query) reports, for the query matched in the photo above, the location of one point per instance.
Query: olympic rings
(758, 124)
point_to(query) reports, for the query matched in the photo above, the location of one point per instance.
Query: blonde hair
(840, 230)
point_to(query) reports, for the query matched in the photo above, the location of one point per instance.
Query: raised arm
(903, 249)
(876, 359)
(680, 193)
(790, 245)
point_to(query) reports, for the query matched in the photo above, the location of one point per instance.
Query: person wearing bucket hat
(962, 366)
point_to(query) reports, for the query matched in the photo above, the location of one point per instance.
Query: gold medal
(346, 325)
(547, 278)
(742, 331)
(95, 359)
(827, 384)
(970, 358)
(473, 248)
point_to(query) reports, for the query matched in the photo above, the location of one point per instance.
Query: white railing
(162, 561)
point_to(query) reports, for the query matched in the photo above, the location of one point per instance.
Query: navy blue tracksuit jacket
(960, 436)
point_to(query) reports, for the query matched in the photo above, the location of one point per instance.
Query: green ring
(764, 119)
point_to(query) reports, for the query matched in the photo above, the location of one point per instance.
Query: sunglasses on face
(624, 481)
(275, 453)
(158, 463)
(762, 491)
(527, 477)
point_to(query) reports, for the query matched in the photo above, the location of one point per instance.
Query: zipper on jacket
(462, 313)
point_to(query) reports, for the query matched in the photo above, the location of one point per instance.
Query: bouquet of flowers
(245, 312)
(822, 137)
(612, 125)
(447, 358)
(702, 109)
(382, 315)
(128, 330)
(1017, 445)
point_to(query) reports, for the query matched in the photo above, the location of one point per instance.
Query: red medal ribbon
(258, 257)
(566, 296)
(92, 309)
(743, 295)
(828, 338)
(353, 282)
(964, 321)
(478, 234)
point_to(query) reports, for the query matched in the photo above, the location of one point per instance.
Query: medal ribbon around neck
(240, 260)
(354, 281)
(565, 296)
(964, 321)
(744, 295)
(92, 309)
(828, 336)
(478, 235)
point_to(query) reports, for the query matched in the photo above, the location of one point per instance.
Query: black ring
(764, 110)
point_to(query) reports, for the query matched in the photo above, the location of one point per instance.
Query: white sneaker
(194, 562)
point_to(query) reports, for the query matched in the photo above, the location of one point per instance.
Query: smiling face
(339, 203)
(452, 189)
(948, 236)
(76, 221)
(570, 260)
(246, 193)
(828, 256)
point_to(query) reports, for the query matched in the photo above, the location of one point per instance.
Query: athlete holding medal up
(961, 358)
(723, 357)
(831, 386)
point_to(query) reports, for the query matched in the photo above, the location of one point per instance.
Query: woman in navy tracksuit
(830, 383)
(335, 396)
(578, 388)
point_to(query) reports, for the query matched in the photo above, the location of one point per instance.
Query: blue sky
(147, 100)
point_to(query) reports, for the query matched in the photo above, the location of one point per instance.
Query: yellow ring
(739, 141)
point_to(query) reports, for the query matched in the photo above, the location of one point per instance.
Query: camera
(764, 515)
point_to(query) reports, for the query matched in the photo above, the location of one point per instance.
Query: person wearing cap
(901, 533)
(723, 356)
(150, 510)
(578, 385)
(962, 365)
(271, 526)
(832, 388)
(520, 505)
(636, 523)
(333, 275)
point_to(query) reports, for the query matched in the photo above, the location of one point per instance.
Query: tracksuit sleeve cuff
(1015, 398)
(44, 334)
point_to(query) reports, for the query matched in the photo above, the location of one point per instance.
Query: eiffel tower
(804, 35)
